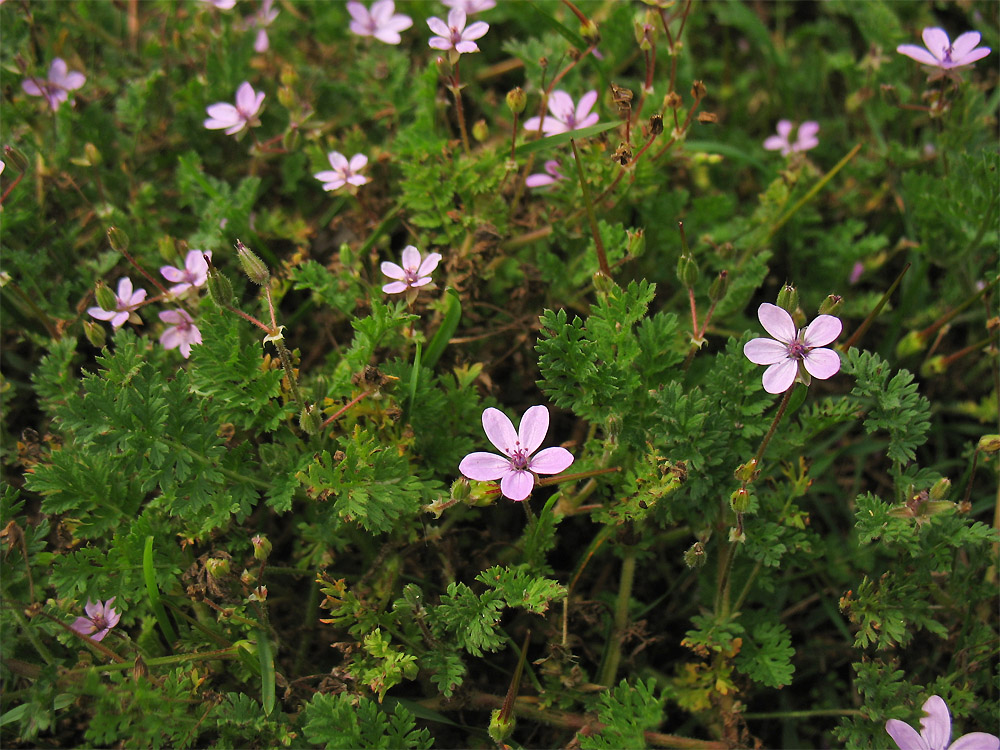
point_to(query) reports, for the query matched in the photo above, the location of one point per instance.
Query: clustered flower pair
(383, 23)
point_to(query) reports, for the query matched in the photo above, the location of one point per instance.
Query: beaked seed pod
(253, 266)
(219, 288)
(118, 239)
(687, 271)
(719, 287)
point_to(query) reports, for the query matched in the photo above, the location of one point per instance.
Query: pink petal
(387, 35)
(765, 351)
(358, 12)
(587, 121)
(517, 485)
(124, 288)
(808, 130)
(172, 274)
(784, 129)
(421, 282)
(456, 19)
(538, 180)
(823, 330)
(31, 87)
(476, 30)
(119, 319)
(382, 11)
(83, 626)
(776, 322)
(534, 425)
(439, 42)
(822, 363)
(357, 180)
(99, 635)
(245, 97)
(392, 270)
(222, 115)
(100, 313)
(57, 70)
(338, 161)
(261, 43)
(936, 41)
(329, 176)
(484, 467)
(776, 143)
(551, 461)
(439, 27)
(171, 338)
(905, 736)
(361, 28)
(965, 44)
(779, 377)
(74, 80)
(587, 102)
(561, 105)
(174, 316)
(411, 258)
(971, 57)
(530, 125)
(936, 726)
(499, 430)
(94, 609)
(921, 56)
(976, 741)
(396, 23)
(394, 287)
(357, 162)
(466, 48)
(429, 264)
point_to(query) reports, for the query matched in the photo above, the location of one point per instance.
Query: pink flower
(99, 620)
(60, 82)
(234, 119)
(453, 35)
(565, 115)
(413, 274)
(471, 6)
(856, 272)
(516, 469)
(221, 4)
(183, 333)
(127, 302)
(263, 18)
(942, 53)
(540, 180)
(793, 349)
(194, 273)
(382, 22)
(935, 732)
(344, 172)
(805, 140)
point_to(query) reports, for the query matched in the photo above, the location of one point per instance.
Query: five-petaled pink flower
(221, 4)
(935, 732)
(99, 620)
(805, 138)
(234, 119)
(516, 469)
(56, 88)
(793, 349)
(194, 273)
(944, 54)
(565, 115)
(126, 303)
(382, 22)
(454, 35)
(552, 175)
(183, 333)
(412, 274)
(471, 6)
(260, 20)
(344, 172)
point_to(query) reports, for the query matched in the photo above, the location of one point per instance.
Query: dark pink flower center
(947, 54)
(99, 622)
(519, 458)
(797, 350)
(410, 276)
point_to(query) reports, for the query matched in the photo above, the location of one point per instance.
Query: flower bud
(95, 334)
(831, 304)
(788, 299)
(219, 288)
(912, 343)
(106, 299)
(739, 501)
(687, 271)
(15, 159)
(694, 556)
(940, 489)
(444, 66)
(636, 242)
(500, 729)
(719, 287)
(589, 32)
(290, 140)
(413, 596)
(253, 266)
(480, 131)
(747, 472)
(517, 100)
(217, 566)
(460, 489)
(603, 284)
(655, 124)
(310, 420)
(247, 578)
(989, 443)
(118, 239)
(261, 547)
(698, 91)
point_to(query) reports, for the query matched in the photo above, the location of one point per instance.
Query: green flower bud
(589, 32)
(219, 288)
(310, 420)
(500, 728)
(15, 159)
(413, 596)
(261, 547)
(253, 267)
(217, 566)
(912, 343)
(989, 443)
(95, 334)
(739, 501)
(106, 299)
(747, 472)
(480, 131)
(118, 239)
(788, 299)
(831, 304)
(694, 556)
(460, 490)
(517, 100)
(636, 242)
(603, 284)
(940, 489)
(687, 271)
(92, 154)
(719, 287)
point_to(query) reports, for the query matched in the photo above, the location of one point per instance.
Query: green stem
(162, 661)
(602, 257)
(32, 636)
(815, 189)
(774, 426)
(614, 653)
(286, 363)
(805, 714)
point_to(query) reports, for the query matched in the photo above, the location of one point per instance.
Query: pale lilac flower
(56, 88)
(944, 54)
(935, 732)
(194, 273)
(260, 20)
(471, 6)
(344, 172)
(540, 180)
(856, 272)
(382, 22)
(234, 119)
(99, 620)
(127, 302)
(793, 349)
(805, 138)
(565, 115)
(413, 274)
(516, 469)
(454, 35)
(183, 333)
(221, 4)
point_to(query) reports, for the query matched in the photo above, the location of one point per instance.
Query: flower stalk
(602, 257)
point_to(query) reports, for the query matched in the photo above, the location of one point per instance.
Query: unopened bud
(603, 284)
(719, 287)
(672, 101)
(655, 124)
(253, 266)
(788, 299)
(413, 596)
(444, 66)
(694, 556)
(286, 97)
(989, 443)
(831, 304)
(15, 159)
(589, 32)
(219, 288)
(247, 578)
(940, 489)
(636, 242)
(747, 472)
(698, 90)
(500, 728)
(289, 76)
(517, 100)
(290, 140)
(912, 343)
(310, 420)
(739, 501)
(261, 547)
(687, 271)
(95, 334)
(460, 489)
(217, 566)
(480, 131)
(106, 299)
(118, 239)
